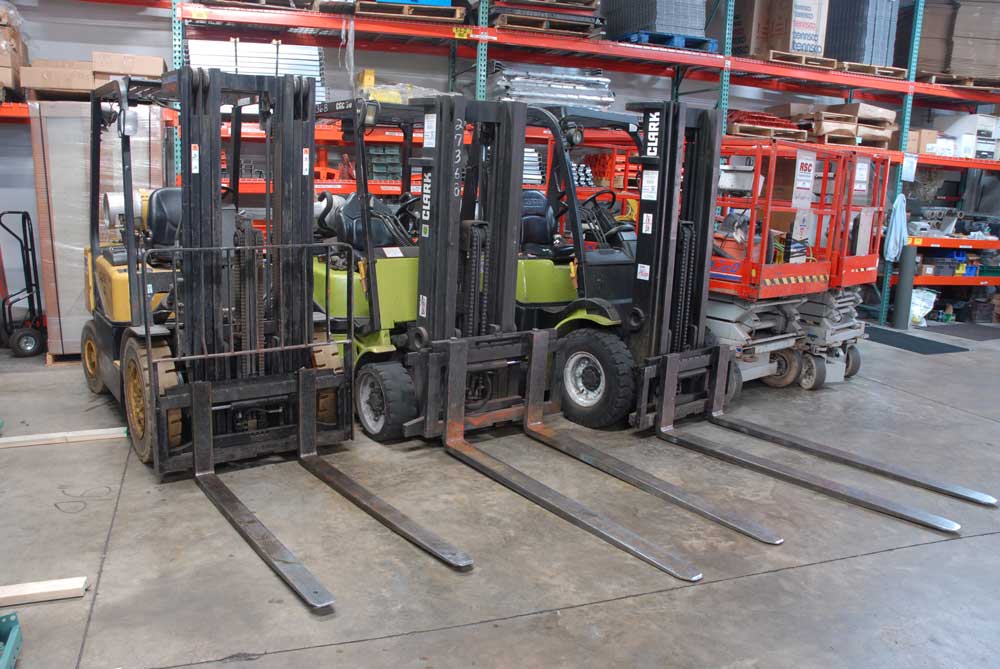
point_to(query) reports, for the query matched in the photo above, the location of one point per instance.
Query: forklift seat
(163, 218)
(538, 228)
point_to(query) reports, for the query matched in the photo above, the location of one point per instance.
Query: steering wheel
(593, 199)
(406, 202)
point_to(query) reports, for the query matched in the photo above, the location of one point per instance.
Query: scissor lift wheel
(137, 392)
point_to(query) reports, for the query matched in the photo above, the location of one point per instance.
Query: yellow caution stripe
(792, 280)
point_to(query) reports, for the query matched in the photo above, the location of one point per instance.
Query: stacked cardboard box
(975, 135)
(13, 52)
(961, 38)
(84, 75)
(762, 26)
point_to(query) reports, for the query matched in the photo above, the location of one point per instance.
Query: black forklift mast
(252, 368)
(469, 251)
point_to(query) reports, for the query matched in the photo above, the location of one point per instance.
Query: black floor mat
(908, 342)
(973, 331)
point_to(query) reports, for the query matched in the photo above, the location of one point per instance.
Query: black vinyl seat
(538, 228)
(163, 218)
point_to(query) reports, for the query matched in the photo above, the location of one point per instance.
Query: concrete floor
(174, 586)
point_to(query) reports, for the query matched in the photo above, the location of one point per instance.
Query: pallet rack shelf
(953, 243)
(943, 281)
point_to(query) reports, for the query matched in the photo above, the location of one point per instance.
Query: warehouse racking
(482, 42)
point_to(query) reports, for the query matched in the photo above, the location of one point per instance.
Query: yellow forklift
(204, 327)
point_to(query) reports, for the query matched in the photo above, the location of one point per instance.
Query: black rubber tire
(26, 342)
(853, 356)
(89, 338)
(813, 374)
(398, 395)
(142, 438)
(618, 369)
(734, 383)
(789, 367)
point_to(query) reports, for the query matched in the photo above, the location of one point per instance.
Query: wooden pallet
(748, 130)
(843, 140)
(820, 116)
(672, 40)
(961, 81)
(63, 359)
(545, 25)
(876, 70)
(385, 10)
(557, 4)
(805, 60)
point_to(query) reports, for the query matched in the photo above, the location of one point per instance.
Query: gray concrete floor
(174, 586)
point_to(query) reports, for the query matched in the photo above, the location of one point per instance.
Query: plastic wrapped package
(921, 304)
(60, 140)
(13, 52)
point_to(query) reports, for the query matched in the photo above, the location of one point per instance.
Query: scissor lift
(830, 319)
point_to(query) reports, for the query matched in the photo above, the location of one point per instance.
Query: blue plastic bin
(10, 637)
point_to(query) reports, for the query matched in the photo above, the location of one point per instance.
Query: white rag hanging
(895, 233)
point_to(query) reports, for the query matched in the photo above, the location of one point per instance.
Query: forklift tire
(138, 402)
(598, 379)
(385, 399)
(90, 359)
(853, 356)
(813, 372)
(26, 342)
(789, 368)
(734, 383)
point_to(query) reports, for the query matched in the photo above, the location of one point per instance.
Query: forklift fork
(535, 428)
(282, 561)
(364, 499)
(278, 557)
(564, 507)
(714, 406)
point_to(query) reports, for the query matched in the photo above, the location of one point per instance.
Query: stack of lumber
(851, 124)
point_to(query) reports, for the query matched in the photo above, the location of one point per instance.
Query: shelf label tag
(430, 130)
(805, 176)
(647, 224)
(422, 308)
(642, 273)
(392, 252)
(306, 163)
(910, 167)
(862, 175)
(650, 184)
(195, 155)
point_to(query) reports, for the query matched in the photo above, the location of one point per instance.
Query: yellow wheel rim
(90, 357)
(135, 399)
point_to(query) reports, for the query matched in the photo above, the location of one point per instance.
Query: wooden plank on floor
(63, 437)
(42, 591)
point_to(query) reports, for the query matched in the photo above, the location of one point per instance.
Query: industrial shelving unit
(482, 42)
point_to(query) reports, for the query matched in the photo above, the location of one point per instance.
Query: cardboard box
(10, 77)
(874, 133)
(793, 109)
(943, 147)
(971, 146)
(798, 26)
(919, 141)
(123, 63)
(980, 125)
(866, 113)
(57, 78)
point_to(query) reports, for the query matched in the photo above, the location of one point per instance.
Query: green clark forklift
(203, 324)
(629, 302)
